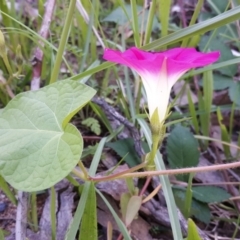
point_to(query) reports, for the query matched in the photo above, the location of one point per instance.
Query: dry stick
(21, 218)
(38, 53)
(134, 132)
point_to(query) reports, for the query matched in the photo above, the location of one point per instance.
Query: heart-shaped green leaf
(38, 146)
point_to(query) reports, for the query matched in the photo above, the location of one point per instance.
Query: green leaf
(218, 6)
(234, 92)
(119, 17)
(192, 231)
(182, 148)
(125, 149)
(221, 82)
(93, 124)
(38, 147)
(217, 44)
(210, 194)
(88, 230)
(199, 210)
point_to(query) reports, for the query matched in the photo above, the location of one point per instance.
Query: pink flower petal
(160, 70)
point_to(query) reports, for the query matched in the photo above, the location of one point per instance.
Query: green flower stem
(63, 41)
(151, 156)
(158, 133)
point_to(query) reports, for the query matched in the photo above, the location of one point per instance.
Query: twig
(21, 218)
(38, 53)
(134, 132)
(167, 172)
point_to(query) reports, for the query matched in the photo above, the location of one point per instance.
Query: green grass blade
(208, 95)
(148, 30)
(63, 41)
(167, 189)
(188, 198)
(199, 28)
(93, 65)
(224, 133)
(88, 229)
(91, 71)
(193, 19)
(192, 111)
(34, 214)
(5, 188)
(164, 11)
(97, 157)
(7, 22)
(74, 226)
(1, 234)
(88, 38)
(119, 222)
(202, 116)
(135, 23)
(33, 33)
(53, 213)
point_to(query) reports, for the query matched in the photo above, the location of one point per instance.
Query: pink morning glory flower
(160, 71)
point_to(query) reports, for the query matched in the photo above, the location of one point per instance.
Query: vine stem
(166, 172)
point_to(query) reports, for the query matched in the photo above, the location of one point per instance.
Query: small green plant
(93, 124)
